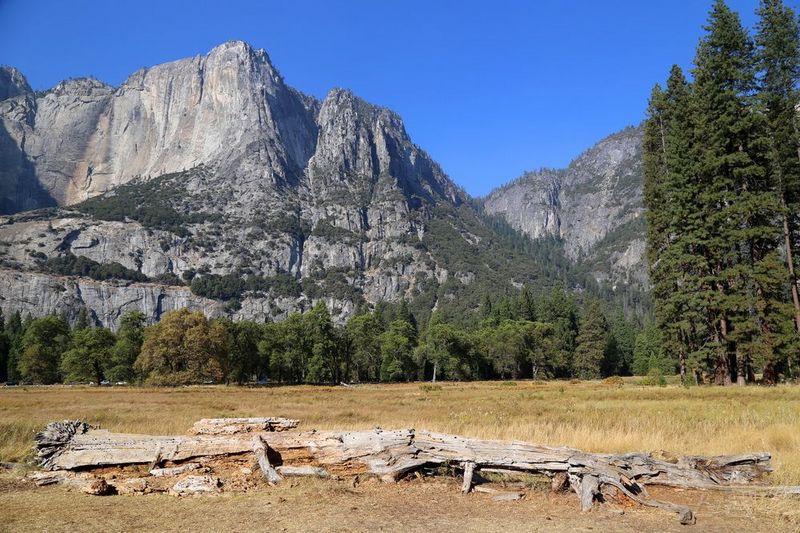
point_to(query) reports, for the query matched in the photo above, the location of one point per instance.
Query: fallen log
(391, 454)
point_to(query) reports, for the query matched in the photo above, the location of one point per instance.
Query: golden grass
(588, 415)
(415, 506)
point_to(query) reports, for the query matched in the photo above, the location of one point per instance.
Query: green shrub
(654, 378)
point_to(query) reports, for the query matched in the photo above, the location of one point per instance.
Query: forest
(722, 186)
(517, 336)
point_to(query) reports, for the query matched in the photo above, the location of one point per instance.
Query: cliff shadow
(20, 189)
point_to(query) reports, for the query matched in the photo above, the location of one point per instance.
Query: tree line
(514, 337)
(722, 186)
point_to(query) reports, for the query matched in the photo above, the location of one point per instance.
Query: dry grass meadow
(587, 415)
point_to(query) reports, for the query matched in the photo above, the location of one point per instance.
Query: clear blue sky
(489, 89)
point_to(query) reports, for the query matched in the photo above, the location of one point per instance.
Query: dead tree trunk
(391, 454)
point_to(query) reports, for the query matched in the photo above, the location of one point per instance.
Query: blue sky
(489, 89)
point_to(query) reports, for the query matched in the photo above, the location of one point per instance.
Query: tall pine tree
(778, 41)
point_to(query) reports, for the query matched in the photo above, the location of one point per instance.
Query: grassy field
(588, 415)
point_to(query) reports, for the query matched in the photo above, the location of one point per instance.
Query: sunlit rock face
(263, 180)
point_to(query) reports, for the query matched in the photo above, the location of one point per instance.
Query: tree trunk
(722, 374)
(682, 363)
(790, 265)
(740, 370)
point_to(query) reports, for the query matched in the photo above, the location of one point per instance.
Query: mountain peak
(594, 205)
(243, 51)
(12, 83)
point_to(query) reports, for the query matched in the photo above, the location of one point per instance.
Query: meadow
(593, 416)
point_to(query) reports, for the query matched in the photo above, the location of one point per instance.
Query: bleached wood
(469, 470)
(261, 449)
(230, 426)
(391, 454)
(588, 488)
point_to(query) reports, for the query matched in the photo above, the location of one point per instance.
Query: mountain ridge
(598, 193)
(210, 171)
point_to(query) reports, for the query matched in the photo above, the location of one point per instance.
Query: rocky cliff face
(213, 168)
(12, 83)
(595, 206)
(229, 107)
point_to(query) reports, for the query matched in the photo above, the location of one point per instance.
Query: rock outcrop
(213, 166)
(595, 206)
(230, 107)
(12, 83)
(213, 169)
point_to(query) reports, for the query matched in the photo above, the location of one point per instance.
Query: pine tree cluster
(722, 186)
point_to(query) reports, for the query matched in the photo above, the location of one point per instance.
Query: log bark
(391, 454)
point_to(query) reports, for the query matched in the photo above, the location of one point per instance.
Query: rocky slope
(211, 170)
(595, 206)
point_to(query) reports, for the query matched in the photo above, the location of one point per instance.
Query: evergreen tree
(5, 347)
(675, 226)
(527, 305)
(739, 205)
(622, 335)
(721, 180)
(127, 347)
(591, 342)
(324, 364)
(13, 330)
(83, 319)
(649, 353)
(778, 41)
(561, 310)
(364, 332)
(42, 344)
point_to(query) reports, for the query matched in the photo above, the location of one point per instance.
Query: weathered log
(469, 470)
(390, 454)
(587, 487)
(229, 426)
(261, 450)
